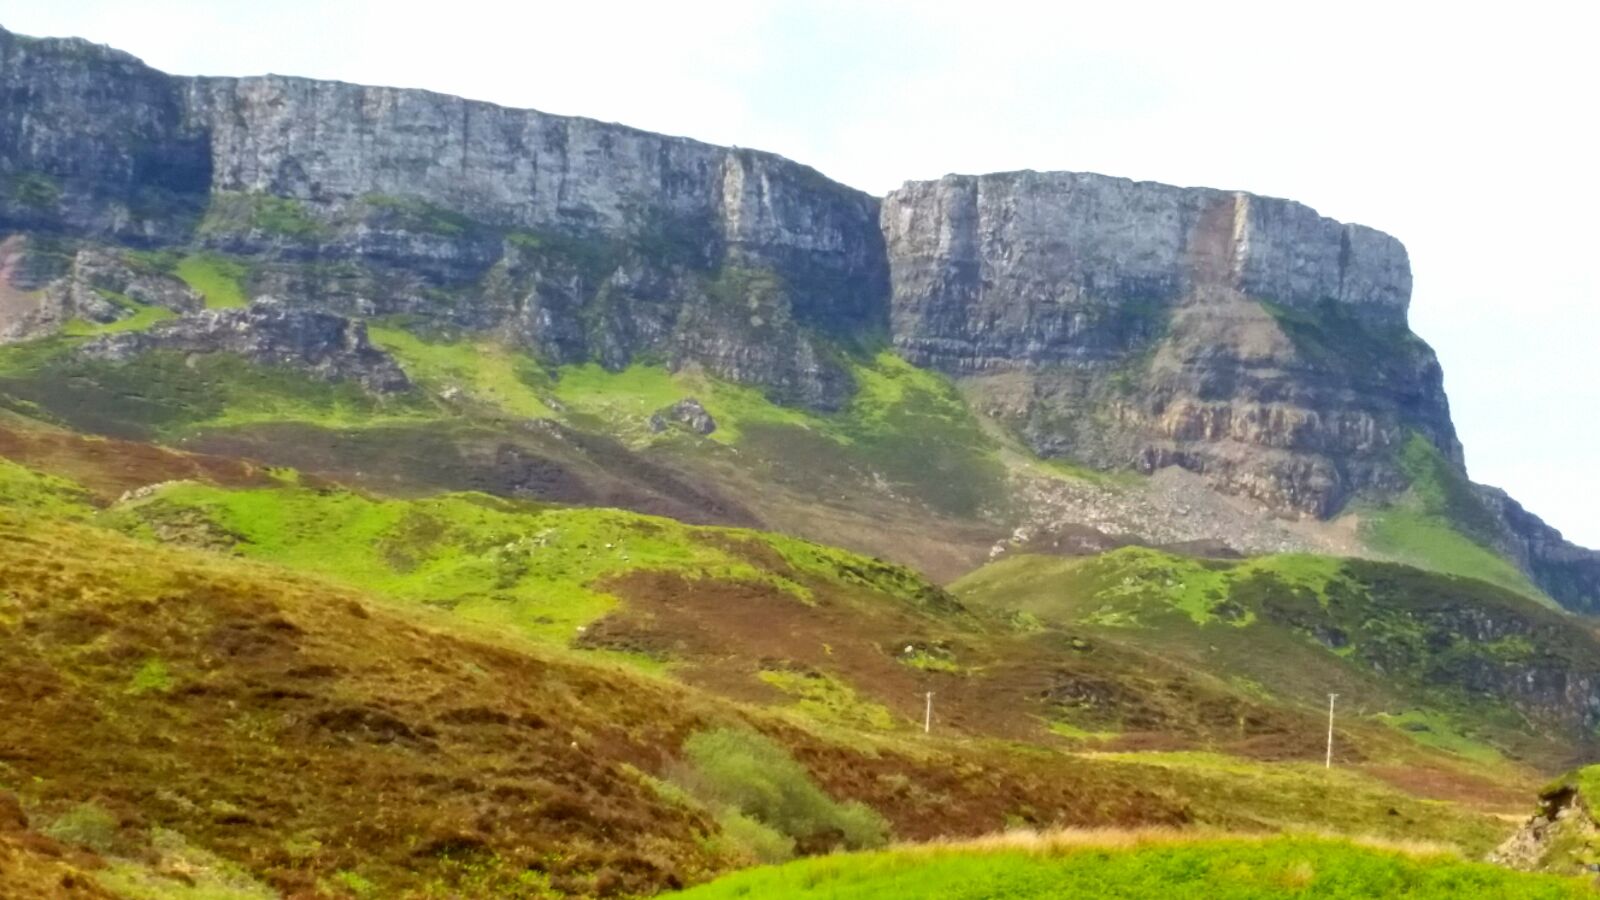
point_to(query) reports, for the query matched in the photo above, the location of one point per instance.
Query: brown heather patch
(109, 467)
(299, 730)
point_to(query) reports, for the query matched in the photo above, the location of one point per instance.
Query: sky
(1468, 130)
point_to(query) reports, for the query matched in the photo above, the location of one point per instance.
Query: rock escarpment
(1115, 323)
(267, 333)
(45, 285)
(579, 239)
(1129, 323)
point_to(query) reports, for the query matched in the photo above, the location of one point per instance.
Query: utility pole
(1329, 763)
(927, 715)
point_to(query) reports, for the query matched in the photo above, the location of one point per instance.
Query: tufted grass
(1143, 865)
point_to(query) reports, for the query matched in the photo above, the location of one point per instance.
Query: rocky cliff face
(580, 239)
(1115, 323)
(1130, 323)
(267, 333)
(1567, 572)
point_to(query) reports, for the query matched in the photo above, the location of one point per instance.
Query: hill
(167, 665)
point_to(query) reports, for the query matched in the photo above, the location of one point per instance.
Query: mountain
(402, 495)
(1112, 324)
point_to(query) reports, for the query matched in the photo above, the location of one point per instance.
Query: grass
(487, 372)
(1426, 540)
(86, 824)
(233, 211)
(1234, 793)
(181, 871)
(216, 278)
(830, 700)
(170, 394)
(1441, 524)
(626, 399)
(152, 677)
(141, 320)
(750, 779)
(33, 190)
(1331, 335)
(535, 569)
(906, 429)
(1164, 865)
(1435, 730)
(1132, 585)
(1392, 639)
(309, 733)
(326, 730)
(140, 317)
(418, 215)
(25, 490)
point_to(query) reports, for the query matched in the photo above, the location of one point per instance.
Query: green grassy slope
(236, 618)
(535, 568)
(354, 744)
(1440, 524)
(1112, 866)
(1438, 659)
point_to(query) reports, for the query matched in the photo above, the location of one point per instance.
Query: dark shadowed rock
(268, 333)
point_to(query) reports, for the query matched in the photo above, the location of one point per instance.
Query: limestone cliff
(1127, 323)
(1115, 323)
(578, 238)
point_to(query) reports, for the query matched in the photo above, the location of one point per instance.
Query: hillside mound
(1563, 835)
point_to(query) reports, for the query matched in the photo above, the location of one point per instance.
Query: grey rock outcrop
(44, 285)
(1562, 835)
(687, 412)
(268, 333)
(1029, 269)
(1568, 573)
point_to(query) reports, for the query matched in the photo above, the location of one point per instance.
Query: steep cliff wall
(1131, 323)
(92, 140)
(583, 240)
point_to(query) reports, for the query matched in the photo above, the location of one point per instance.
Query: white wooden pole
(927, 715)
(1328, 764)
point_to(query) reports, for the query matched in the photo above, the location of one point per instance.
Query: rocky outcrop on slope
(45, 284)
(1134, 324)
(1562, 834)
(267, 333)
(1568, 573)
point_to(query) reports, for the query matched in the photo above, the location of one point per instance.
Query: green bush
(752, 776)
(754, 840)
(88, 825)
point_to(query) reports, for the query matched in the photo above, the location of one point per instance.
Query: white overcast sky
(1466, 129)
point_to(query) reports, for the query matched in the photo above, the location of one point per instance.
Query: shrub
(754, 840)
(748, 774)
(88, 825)
(152, 677)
